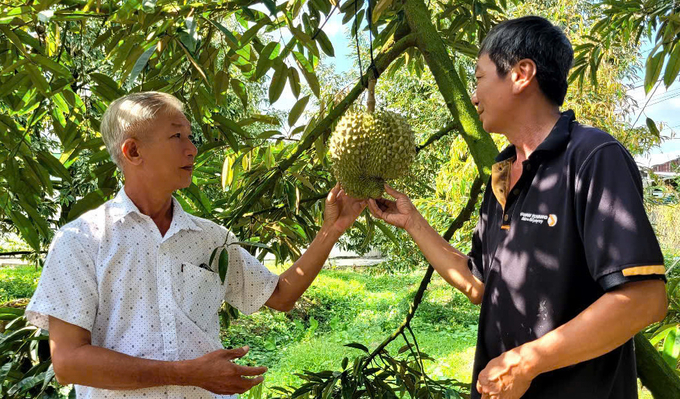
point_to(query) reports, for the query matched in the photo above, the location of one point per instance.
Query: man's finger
(373, 208)
(236, 353)
(250, 371)
(248, 383)
(333, 194)
(394, 193)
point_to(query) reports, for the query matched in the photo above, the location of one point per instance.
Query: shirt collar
(556, 141)
(121, 205)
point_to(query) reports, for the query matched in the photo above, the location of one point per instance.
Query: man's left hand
(504, 377)
(341, 210)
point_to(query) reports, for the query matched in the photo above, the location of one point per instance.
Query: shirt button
(506, 217)
(515, 191)
(528, 166)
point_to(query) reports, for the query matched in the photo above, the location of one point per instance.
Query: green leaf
(212, 256)
(357, 345)
(240, 91)
(228, 124)
(223, 264)
(379, 8)
(199, 198)
(672, 66)
(304, 64)
(652, 127)
(90, 201)
(37, 219)
(53, 165)
(26, 228)
(653, 70)
(387, 232)
(325, 43)
(267, 55)
(297, 109)
(278, 83)
(38, 79)
(227, 171)
(294, 81)
(232, 41)
(671, 347)
(250, 33)
(141, 63)
(51, 65)
(304, 39)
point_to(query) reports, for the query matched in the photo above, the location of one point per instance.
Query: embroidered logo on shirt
(537, 218)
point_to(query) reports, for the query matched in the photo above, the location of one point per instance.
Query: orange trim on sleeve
(643, 270)
(505, 226)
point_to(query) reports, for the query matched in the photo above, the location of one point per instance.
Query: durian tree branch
(430, 44)
(463, 216)
(392, 51)
(451, 126)
(655, 374)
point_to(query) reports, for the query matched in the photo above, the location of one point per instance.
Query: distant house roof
(651, 160)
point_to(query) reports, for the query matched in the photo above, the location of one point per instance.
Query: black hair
(539, 40)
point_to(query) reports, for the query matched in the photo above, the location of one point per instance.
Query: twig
(453, 125)
(324, 22)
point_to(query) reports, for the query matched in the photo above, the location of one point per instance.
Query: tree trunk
(656, 375)
(457, 99)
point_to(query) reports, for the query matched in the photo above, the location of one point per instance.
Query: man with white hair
(128, 291)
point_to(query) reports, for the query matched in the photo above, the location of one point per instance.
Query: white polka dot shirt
(142, 294)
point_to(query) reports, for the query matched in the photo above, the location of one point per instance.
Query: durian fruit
(367, 149)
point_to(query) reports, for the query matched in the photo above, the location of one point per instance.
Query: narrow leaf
(278, 83)
(141, 63)
(223, 264)
(297, 109)
(227, 172)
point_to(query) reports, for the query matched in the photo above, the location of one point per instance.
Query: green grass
(17, 282)
(344, 306)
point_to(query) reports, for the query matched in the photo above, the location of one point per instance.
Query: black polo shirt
(573, 227)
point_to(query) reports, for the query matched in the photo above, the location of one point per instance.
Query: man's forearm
(605, 325)
(450, 263)
(103, 368)
(295, 281)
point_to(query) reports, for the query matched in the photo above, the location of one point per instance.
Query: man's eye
(178, 135)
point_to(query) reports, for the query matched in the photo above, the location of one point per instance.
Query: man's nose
(192, 149)
(474, 98)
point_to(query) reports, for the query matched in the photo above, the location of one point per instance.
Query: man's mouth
(188, 168)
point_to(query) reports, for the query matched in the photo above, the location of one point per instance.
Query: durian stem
(370, 103)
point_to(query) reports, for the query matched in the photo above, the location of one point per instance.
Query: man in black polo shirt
(564, 260)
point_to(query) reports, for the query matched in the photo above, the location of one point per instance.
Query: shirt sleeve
(475, 258)
(67, 289)
(619, 242)
(249, 282)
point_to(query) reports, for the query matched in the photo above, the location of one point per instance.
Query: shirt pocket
(201, 294)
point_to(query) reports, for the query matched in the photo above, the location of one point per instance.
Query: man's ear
(130, 150)
(523, 73)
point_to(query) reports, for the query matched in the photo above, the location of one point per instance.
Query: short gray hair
(128, 114)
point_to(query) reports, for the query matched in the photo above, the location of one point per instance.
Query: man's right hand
(217, 373)
(400, 213)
